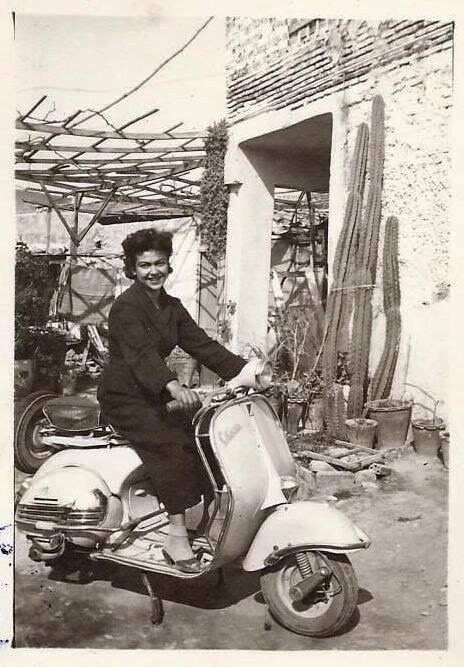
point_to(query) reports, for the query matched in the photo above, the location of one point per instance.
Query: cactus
(383, 377)
(366, 265)
(339, 303)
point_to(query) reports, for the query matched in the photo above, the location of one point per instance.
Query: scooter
(94, 498)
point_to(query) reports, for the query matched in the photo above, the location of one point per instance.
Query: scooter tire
(322, 619)
(28, 455)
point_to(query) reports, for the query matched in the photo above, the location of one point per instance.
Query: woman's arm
(196, 342)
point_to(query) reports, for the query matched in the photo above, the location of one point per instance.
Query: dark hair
(139, 242)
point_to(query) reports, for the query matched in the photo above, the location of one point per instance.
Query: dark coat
(132, 391)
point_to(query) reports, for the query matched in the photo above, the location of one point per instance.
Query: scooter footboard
(306, 524)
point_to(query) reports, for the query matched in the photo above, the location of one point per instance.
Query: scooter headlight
(23, 487)
(264, 375)
(256, 374)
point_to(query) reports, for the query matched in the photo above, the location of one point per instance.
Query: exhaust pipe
(301, 590)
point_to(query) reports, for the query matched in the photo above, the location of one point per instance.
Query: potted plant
(313, 416)
(426, 429)
(290, 357)
(361, 431)
(426, 433)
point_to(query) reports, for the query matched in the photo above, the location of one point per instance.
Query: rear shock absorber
(303, 564)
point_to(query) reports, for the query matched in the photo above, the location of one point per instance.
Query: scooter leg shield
(307, 524)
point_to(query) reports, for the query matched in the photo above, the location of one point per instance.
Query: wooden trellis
(114, 175)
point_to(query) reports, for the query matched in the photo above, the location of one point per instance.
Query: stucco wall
(410, 65)
(416, 190)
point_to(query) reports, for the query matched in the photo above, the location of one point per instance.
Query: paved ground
(402, 578)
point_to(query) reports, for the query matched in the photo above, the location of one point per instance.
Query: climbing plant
(214, 197)
(34, 287)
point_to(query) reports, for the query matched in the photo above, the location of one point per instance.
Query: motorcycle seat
(74, 414)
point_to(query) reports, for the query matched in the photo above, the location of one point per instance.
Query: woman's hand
(188, 398)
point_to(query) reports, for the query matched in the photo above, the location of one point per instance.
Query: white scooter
(94, 497)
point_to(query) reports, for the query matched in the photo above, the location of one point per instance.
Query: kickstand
(267, 619)
(157, 611)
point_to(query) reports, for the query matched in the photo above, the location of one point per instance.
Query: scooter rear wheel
(325, 612)
(29, 451)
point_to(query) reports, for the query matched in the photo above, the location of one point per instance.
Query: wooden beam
(25, 145)
(113, 219)
(153, 213)
(97, 215)
(74, 238)
(98, 134)
(52, 136)
(33, 108)
(99, 164)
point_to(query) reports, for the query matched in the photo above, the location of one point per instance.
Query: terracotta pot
(427, 436)
(444, 449)
(361, 431)
(294, 411)
(393, 418)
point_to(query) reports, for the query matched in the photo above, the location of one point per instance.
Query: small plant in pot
(426, 425)
(296, 399)
(291, 361)
(313, 415)
(426, 433)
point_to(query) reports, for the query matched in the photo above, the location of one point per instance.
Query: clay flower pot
(294, 412)
(427, 436)
(444, 449)
(392, 417)
(361, 431)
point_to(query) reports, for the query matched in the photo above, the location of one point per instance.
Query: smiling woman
(145, 324)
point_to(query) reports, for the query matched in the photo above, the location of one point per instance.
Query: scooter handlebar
(217, 395)
(174, 406)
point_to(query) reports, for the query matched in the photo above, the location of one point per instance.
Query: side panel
(237, 450)
(113, 464)
(306, 523)
(272, 436)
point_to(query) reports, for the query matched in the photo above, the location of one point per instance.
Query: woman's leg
(177, 544)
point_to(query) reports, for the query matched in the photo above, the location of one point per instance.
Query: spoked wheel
(29, 449)
(324, 612)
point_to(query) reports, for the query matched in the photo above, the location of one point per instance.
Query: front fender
(310, 524)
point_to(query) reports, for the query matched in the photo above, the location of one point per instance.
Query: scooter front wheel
(324, 612)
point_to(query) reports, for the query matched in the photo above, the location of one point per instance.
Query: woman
(145, 324)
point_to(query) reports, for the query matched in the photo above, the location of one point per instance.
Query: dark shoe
(189, 566)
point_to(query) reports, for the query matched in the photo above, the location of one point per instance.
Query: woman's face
(152, 269)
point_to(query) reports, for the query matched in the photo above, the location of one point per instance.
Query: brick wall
(277, 63)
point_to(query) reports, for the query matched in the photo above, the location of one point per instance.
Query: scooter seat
(75, 414)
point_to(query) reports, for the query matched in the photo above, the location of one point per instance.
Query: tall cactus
(337, 303)
(366, 265)
(383, 377)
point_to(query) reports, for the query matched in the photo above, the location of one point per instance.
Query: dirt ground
(402, 579)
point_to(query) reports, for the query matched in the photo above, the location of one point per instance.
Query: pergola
(115, 175)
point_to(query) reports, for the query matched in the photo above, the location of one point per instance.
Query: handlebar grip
(173, 406)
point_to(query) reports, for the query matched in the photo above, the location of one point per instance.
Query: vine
(214, 196)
